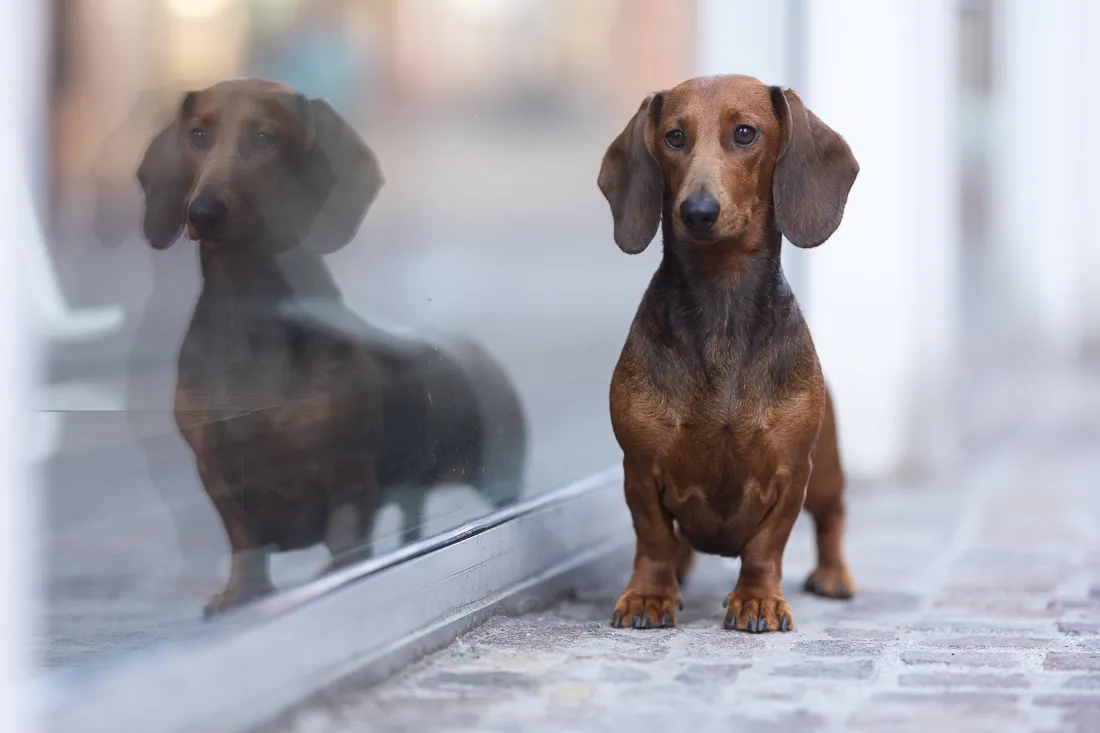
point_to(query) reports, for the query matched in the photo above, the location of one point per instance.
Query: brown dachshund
(300, 415)
(717, 400)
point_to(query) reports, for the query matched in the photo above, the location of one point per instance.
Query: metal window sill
(354, 627)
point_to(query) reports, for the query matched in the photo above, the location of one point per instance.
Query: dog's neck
(725, 298)
(242, 275)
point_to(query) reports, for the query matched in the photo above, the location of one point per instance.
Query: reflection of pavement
(978, 611)
(133, 546)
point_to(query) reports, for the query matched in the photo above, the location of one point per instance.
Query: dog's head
(252, 162)
(722, 157)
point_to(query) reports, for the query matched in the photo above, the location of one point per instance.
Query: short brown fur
(718, 401)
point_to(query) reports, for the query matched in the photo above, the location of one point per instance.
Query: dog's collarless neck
(241, 273)
(729, 300)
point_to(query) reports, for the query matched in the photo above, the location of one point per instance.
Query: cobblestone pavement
(979, 611)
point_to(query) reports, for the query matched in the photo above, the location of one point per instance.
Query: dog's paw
(831, 582)
(231, 597)
(645, 612)
(757, 615)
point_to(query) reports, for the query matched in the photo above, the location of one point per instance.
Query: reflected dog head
(253, 162)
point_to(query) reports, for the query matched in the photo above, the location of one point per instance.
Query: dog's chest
(714, 477)
(244, 379)
(710, 452)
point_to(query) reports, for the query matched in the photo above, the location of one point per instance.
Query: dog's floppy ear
(342, 174)
(165, 178)
(631, 179)
(813, 174)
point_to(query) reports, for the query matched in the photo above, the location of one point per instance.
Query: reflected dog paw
(233, 597)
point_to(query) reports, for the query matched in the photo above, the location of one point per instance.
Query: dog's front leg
(756, 604)
(249, 575)
(652, 596)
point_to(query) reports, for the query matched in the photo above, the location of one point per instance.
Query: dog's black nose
(699, 212)
(207, 214)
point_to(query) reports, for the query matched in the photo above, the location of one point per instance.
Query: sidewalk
(979, 610)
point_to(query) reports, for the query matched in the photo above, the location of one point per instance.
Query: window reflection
(483, 276)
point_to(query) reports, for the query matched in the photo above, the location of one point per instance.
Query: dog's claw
(680, 604)
(644, 612)
(758, 615)
(726, 602)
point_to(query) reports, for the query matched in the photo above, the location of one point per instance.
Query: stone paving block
(838, 648)
(948, 627)
(963, 679)
(1085, 682)
(954, 712)
(1084, 721)
(709, 674)
(861, 670)
(859, 634)
(1072, 662)
(960, 658)
(1075, 702)
(989, 642)
(1079, 628)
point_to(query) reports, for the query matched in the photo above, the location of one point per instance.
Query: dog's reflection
(303, 419)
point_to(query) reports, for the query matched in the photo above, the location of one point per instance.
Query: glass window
(455, 352)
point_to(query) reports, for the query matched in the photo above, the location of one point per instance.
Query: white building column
(1044, 139)
(1087, 235)
(882, 293)
(22, 81)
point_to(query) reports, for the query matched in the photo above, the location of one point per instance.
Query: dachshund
(718, 400)
(301, 417)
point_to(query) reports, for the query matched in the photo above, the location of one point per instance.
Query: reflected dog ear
(631, 180)
(341, 174)
(118, 207)
(165, 176)
(814, 172)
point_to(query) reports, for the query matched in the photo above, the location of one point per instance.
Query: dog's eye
(675, 139)
(744, 135)
(263, 140)
(199, 139)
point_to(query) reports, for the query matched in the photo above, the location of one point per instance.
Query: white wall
(881, 295)
(1044, 138)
